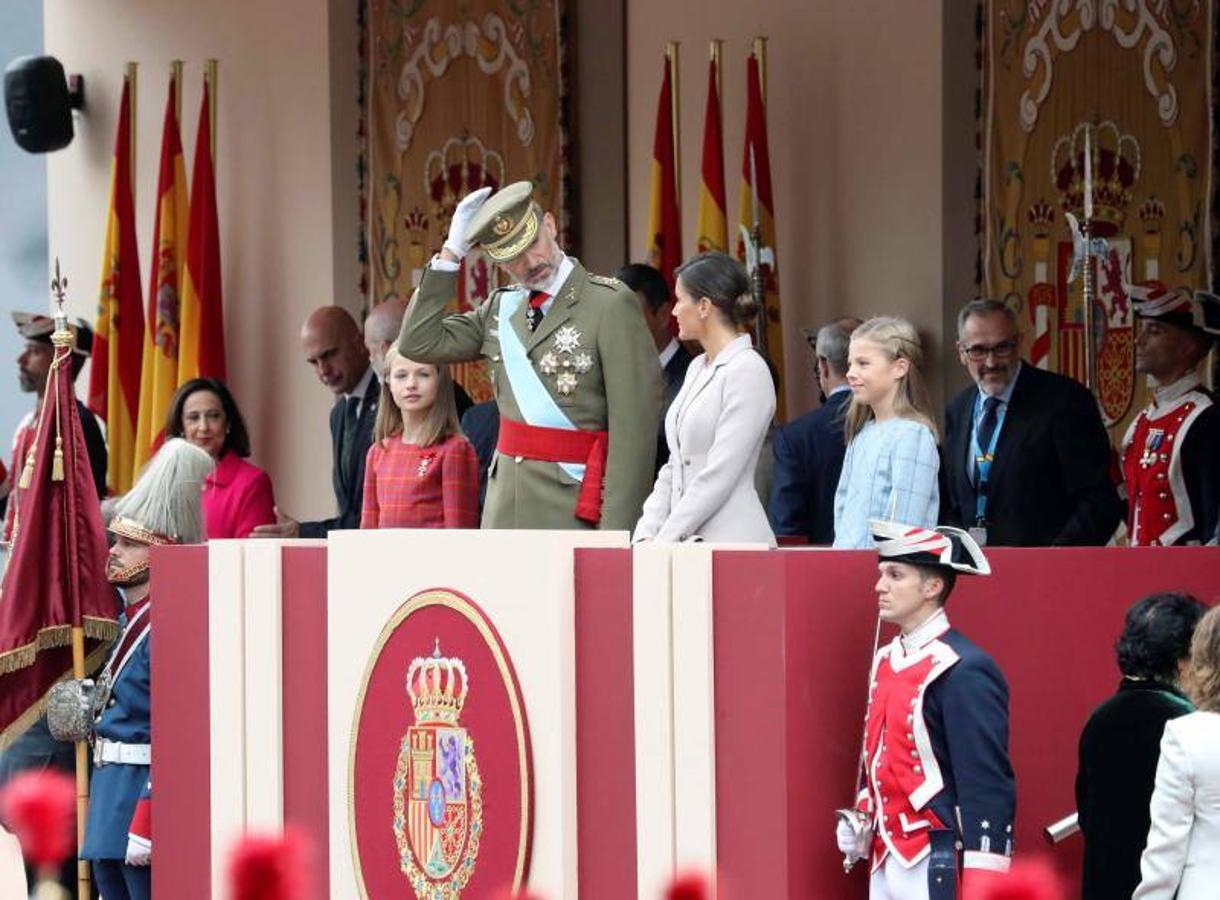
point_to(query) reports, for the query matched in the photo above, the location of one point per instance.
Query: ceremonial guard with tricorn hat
(163, 507)
(572, 364)
(936, 791)
(1171, 451)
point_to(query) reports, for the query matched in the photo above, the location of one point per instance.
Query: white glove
(850, 844)
(139, 850)
(456, 243)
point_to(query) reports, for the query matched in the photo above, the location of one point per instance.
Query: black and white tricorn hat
(947, 547)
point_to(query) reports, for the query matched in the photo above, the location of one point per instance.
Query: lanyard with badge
(982, 463)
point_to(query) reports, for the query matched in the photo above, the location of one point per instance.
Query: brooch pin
(424, 462)
(565, 360)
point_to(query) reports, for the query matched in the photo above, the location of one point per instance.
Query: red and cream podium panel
(459, 714)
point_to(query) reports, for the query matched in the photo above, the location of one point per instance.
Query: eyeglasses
(979, 352)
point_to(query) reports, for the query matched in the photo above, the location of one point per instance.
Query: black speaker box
(39, 103)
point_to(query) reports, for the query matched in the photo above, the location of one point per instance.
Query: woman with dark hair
(237, 496)
(1121, 743)
(716, 424)
(1182, 859)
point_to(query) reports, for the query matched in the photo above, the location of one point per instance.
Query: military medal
(566, 361)
(1156, 437)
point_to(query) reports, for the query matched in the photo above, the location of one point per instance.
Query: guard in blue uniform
(937, 793)
(162, 508)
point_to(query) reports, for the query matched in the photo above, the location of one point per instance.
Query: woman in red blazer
(237, 496)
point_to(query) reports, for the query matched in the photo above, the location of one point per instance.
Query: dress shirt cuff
(439, 264)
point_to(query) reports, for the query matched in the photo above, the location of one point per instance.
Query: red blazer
(408, 486)
(237, 496)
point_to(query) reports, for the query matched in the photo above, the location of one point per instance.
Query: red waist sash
(562, 445)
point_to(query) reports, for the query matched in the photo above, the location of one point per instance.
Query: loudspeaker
(39, 101)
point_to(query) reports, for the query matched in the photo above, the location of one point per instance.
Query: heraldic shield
(438, 791)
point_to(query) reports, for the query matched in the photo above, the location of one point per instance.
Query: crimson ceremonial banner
(1136, 75)
(118, 333)
(56, 575)
(461, 96)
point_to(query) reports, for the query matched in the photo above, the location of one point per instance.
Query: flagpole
(671, 56)
(175, 71)
(130, 78)
(716, 46)
(62, 339)
(210, 76)
(760, 53)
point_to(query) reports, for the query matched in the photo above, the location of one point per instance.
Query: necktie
(991, 409)
(533, 314)
(351, 424)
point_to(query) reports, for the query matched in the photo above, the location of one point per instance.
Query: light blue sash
(535, 402)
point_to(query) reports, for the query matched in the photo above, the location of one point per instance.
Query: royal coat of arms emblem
(438, 791)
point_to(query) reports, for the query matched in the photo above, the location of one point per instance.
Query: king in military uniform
(936, 791)
(162, 508)
(572, 364)
(1171, 452)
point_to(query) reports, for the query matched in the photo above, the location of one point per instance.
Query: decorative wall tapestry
(1140, 73)
(461, 95)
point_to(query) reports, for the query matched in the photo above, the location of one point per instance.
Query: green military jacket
(614, 386)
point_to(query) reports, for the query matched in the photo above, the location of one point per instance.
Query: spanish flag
(159, 373)
(713, 223)
(202, 348)
(757, 205)
(664, 220)
(114, 379)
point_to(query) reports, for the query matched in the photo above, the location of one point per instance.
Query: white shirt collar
(362, 386)
(668, 353)
(937, 625)
(1163, 396)
(840, 389)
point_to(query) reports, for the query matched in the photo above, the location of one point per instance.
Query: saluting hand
(284, 527)
(456, 244)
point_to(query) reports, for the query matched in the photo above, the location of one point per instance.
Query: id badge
(979, 533)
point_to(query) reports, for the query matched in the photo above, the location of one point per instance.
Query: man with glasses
(1028, 458)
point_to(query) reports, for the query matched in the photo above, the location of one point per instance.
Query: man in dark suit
(1028, 456)
(657, 305)
(334, 347)
(809, 450)
(1121, 744)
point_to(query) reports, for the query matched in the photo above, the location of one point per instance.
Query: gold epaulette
(606, 281)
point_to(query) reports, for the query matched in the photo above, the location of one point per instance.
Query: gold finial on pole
(671, 54)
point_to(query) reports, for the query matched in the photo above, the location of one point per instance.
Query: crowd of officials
(618, 404)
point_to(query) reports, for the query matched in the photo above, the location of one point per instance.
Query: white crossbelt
(108, 753)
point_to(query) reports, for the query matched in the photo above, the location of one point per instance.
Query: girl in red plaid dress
(421, 472)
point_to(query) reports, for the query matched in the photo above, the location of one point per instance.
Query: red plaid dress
(408, 486)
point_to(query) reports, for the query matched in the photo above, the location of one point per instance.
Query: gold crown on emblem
(1115, 169)
(502, 226)
(437, 686)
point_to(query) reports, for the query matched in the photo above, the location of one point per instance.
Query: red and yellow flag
(114, 379)
(159, 373)
(664, 219)
(201, 351)
(757, 207)
(713, 221)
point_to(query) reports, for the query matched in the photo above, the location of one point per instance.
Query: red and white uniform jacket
(1171, 466)
(936, 750)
